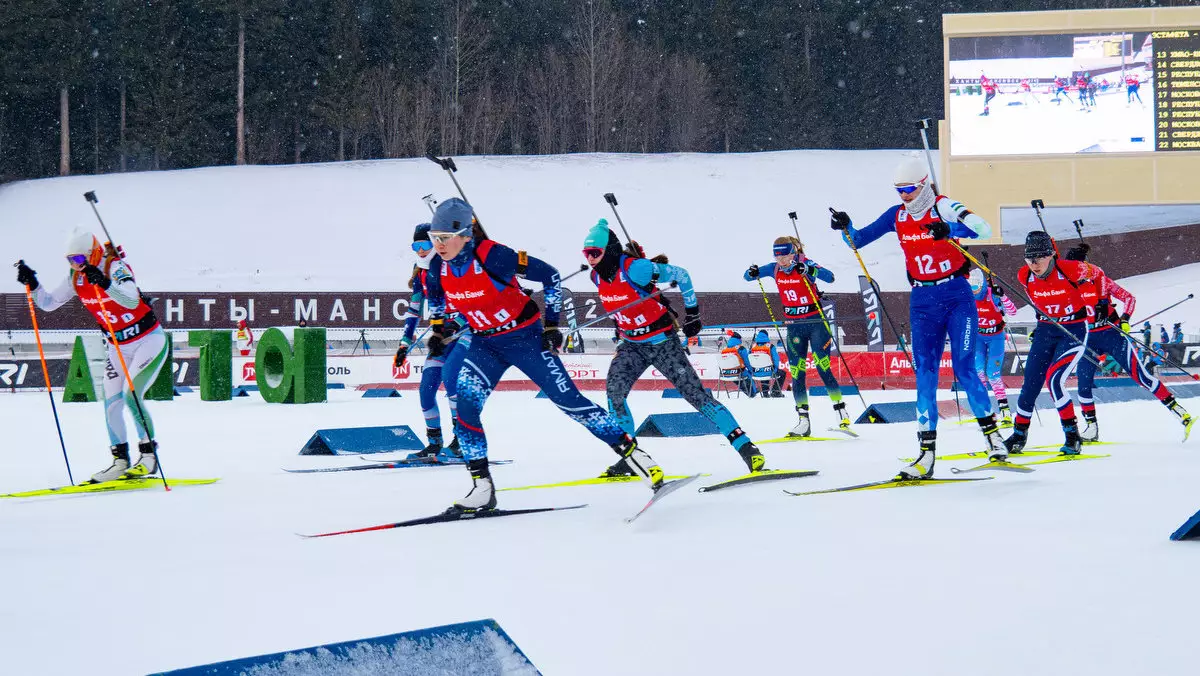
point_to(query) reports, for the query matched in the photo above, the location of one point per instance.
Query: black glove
(997, 290)
(26, 275)
(552, 338)
(939, 229)
(401, 355)
(752, 271)
(838, 220)
(96, 276)
(691, 321)
(437, 340)
(1103, 310)
(809, 268)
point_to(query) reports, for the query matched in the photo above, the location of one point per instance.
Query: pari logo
(248, 372)
(401, 372)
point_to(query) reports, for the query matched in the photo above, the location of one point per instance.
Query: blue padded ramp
(672, 393)
(380, 392)
(890, 412)
(676, 425)
(359, 440)
(480, 647)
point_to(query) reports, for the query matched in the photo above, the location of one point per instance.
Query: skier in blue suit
(941, 305)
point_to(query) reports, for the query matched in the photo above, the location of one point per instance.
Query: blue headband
(783, 249)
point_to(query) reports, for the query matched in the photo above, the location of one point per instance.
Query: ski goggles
(423, 245)
(907, 189)
(77, 259)
(445, 236)
(783, 249)
(592, 252)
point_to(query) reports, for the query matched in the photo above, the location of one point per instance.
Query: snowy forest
(126, 85)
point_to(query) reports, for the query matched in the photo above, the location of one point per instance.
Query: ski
(663, 491)
(111, 486)
(1000, 425)
(890, 483)
(447, 516)
(843, 430)
(1065, 458)
(756, 477)
(977, 455)
(789, 439)
(994, 465)
(1057, 446)
(398, 464)
(595, 481)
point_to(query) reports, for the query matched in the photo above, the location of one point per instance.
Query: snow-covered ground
(1066, 570)
(1017, 127)
(348, 226)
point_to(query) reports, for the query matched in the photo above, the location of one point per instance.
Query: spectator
(770, 380)
(1177, 333)
(245, 338)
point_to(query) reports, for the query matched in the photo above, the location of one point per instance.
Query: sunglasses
(423, 245)
(907, 189)
(593, 252)
(442, 237)
(77, 259)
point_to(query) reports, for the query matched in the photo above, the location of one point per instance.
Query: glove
(1103, 310)
(95, 276)
(437, 340)
(401, 355)
(1125, 323)
(940, 230)
(809, 268)
(26, 275)
(997, 290)
(691, 321)
(552, 338)
(753, 272)
(839, 220)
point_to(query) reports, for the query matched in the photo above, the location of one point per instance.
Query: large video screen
(1068, 93)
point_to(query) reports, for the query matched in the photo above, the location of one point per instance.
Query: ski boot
(1073, 444)
(1006, 419)
(1015, 443)
(922, 467)
(120, 465)
(429, 453)
(1184, 417)
(617, 469)
(1091, 430)
(454, 448)
(804, 427)
(991, 435)
(483, 493)
(639, 461)
(752, 457)
(147, 462)
(843, 417)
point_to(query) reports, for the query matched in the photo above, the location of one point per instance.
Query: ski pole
(1172, 305)
(1078, 223)
(133, 394)
(1016, 352)
(90, 196)
(46, 375)
(825, 320)
(448, 164)
(1088, 353)
(770, 311)
(879, 297)
(923, 124)
(1165, 358)
(612, 204)
(597, 320)
(430, 202)
(582, 268)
